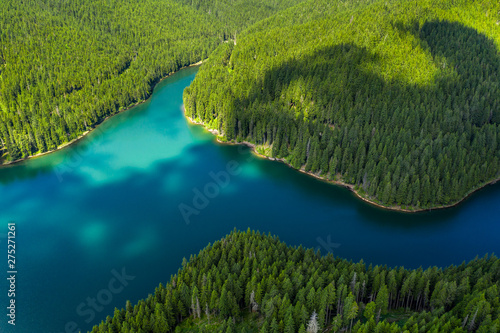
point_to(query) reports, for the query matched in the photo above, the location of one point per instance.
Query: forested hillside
(400, 99)
(236, 15)
(67, 65)
(248, 282)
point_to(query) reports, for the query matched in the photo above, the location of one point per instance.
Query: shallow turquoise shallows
(109, 218)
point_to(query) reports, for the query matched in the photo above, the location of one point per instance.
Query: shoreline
(81, 136)
(335, 182)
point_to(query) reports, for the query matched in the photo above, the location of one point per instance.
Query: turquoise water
(111, 206)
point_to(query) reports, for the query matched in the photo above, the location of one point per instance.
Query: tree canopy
(398, 98)
(67, 65)
(251, 282)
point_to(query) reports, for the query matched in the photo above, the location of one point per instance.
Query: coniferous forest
(400, 99)
(250, 282)
(67, 65)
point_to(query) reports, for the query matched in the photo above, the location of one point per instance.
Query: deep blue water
(110, 204)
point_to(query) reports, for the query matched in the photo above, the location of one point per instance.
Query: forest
(252, 282)
(399, 99)
(67, 65)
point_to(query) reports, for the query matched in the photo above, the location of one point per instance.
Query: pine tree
(369, 311)
(382, 300)
(290, 324)
(274, 326)
(350, 309)
(312, 326)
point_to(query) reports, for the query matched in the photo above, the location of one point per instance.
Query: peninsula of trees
(398, 99)
(250, 282)
(67, 65)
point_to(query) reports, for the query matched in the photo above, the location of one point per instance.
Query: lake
(109, 218)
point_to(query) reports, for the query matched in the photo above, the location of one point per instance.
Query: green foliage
(67, 65)
(369, 311)
(327, 292)
(398, 98)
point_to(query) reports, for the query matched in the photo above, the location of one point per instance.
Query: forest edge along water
(254, 148)
(351, 187)
(127, 189)
(67, 144)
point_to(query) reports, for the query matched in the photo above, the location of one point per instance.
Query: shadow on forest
(338, 73)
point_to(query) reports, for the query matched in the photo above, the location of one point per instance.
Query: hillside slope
(399, 99)
(67, 65)
(249, 282)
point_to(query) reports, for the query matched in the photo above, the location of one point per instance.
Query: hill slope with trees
(250, 282)
(67, 65)
(398, 99)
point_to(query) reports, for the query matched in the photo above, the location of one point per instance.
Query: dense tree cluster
(399, 98)
(252, 280)
(67, 65)
(236, 15)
